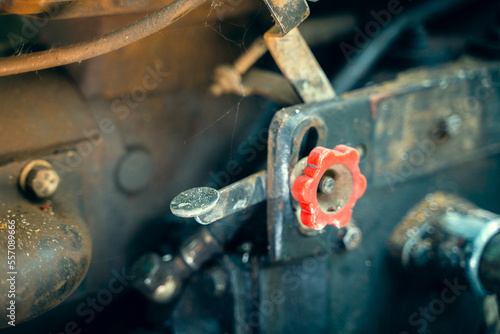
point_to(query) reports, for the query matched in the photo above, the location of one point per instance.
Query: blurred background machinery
(276, 166)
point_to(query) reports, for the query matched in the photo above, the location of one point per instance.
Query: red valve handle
(305, 187)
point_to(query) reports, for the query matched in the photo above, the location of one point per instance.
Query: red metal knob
(333, 206)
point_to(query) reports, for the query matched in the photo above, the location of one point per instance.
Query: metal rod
(105, 44)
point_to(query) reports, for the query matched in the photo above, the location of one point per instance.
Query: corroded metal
(395, 123)
(52, 245)
(39, 178)
(288, 14)
(448, 234)
(79, 8)
(489, 266)
(240, 78)
(37, 103)
(298, 64)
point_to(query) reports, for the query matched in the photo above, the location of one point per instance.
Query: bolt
(326, 185)
(352, 238)
(361, 150)
(349, 237)
(158, 280)
(39, 178)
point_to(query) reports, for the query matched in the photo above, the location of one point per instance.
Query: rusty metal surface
(288, 14)
(86, 8)
(53, 244)
(241, 79)
(299, 66)
(448, 235)
(408, 123)
(27, 6)
(271, 85)
(417, 238)
(107, 43)
(361, 119)
(64, 9)
(68, 124)
(182, 52)
(44, 106)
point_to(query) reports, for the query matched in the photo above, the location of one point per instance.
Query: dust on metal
(288, 14)
(298, 64)
(39, 178)
(194, 202)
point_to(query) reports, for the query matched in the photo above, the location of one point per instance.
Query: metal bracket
(288, 14)
(298, 64)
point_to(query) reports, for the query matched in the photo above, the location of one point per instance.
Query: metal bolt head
(39, 179)
(158, 280)
(348, 237)
(352, 238)
(326, 185)
(44, 182)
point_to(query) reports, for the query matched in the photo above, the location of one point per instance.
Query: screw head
(39, 179)
(352, 238)
(326, 185)
(348, 237)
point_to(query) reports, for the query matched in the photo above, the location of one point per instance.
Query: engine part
(162, 281)
(39, 178)
(230, 79)
(209, 205)
(288, 14)
(122, 134)
(299, 66)
(382, 119)
(446, 232)
(50, 253)
(329, 187)
(107, 43)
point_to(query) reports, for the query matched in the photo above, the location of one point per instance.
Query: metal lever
(288, 14)
(208, 205)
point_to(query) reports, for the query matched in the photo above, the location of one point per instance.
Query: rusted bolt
(326, 185)
(352, 238)
(39, 178)
(349, 237)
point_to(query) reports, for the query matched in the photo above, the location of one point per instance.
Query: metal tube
(110, 42)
